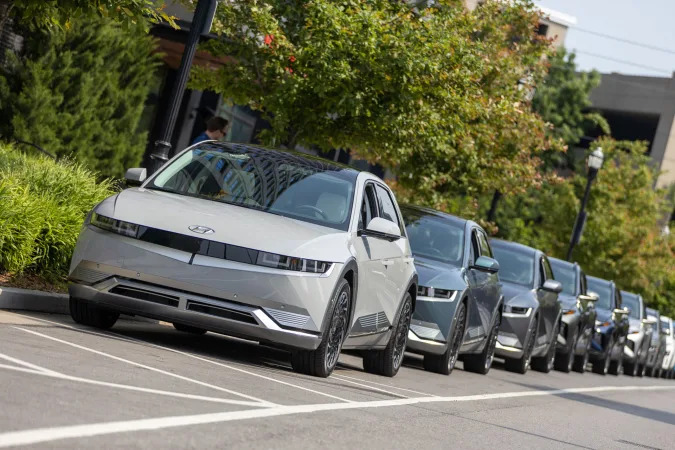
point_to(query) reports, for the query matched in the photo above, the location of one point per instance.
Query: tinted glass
(276, 182)
(387, 209)
(604, 292)
(368, 207)
(547, 268)
(567, 277)
(434, 238)
(665, 326)
(632, 302)
(484, 246)
(515, 267)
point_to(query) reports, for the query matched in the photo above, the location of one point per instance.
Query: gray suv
(657, 347)
(459, 296)
(530, 324)
(639, 335)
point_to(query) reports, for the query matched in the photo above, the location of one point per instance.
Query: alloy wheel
(402, 334)
(457, 338)
(491, 349)
(530, 347)
(338, 329)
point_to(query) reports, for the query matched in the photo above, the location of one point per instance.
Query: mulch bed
(32, 281)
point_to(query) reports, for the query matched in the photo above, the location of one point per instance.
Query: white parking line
(130, 388)
(37, 435)
(190, 355)
(26, 364)
(372, 388)
(341, 375)
(163, 372)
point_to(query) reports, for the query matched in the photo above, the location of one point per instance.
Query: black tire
(564, 362)
(601, 366)
(631, 369)
(444, 363)
(188, 329)
(387, 362)
(322, 361)
(616, 367)
(482, 362)
(522, 364)
(580, 362)
(88, 314)
(545, 364)
(641, 370)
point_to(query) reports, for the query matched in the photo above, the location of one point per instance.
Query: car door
(548, 302)
(376, 258)
(476, 281)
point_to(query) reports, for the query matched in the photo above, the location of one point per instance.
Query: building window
(542, 29)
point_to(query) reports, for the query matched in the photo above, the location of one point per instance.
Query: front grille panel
(88, 276)
(217, 311)
(149, 296)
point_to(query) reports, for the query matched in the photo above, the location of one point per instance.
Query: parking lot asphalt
(147, 385)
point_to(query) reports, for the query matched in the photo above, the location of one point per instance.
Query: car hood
(518, 295)
(232, 224)
(567, 301)
(634, 324)
(604, 315)
(439, 275)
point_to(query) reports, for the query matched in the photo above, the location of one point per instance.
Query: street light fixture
(595, 160)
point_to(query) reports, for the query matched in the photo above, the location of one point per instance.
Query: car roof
(653, 312)
(562, 262)
(316, 162)
(515, 246)
(432, 212)
(590, 277)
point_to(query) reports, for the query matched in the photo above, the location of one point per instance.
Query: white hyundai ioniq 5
(272, 246)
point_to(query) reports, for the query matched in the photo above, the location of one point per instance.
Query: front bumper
(243, 300)
(569, 322)
(430, 325)
(634, 343)
(512, 334)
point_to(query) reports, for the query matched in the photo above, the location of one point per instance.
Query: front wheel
(522, 365)
(322, 361)
(444, 363)
(387, 362)
(601, 367)
(89, 314)
(482, 362)
(547, 363)
(565, 362)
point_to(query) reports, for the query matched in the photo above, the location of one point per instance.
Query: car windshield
(273, 181)
(433, 237)
(602, 288)
(566, 274)
(514, 266)
(631, 301)
(665, 326)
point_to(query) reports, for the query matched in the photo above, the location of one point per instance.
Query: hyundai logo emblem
(200, 229)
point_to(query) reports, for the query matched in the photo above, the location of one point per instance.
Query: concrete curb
(45, 302)
(30, 300)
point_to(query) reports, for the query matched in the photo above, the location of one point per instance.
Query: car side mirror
(383, 228)
(552, 286)
(589, 297)
(486, 264)
(136, 176)
(648, 321)
(621, 312)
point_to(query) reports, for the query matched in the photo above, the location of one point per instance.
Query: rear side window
(387, 208)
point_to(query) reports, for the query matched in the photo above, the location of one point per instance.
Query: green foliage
(622, 240)
(563, 100)
(42, 207)
(80, 93)
(63, 14)
(434, 94)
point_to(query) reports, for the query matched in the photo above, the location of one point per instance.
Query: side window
(584, 286)
(547, 268)
(368, 207)
(485, 249)
(618, 300)
(473, 249)
(387, 208)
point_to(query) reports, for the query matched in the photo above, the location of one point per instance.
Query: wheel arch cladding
(349, 273)
(412, 290)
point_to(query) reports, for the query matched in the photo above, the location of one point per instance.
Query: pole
(203, 13)
(493, 206)
(581, 217)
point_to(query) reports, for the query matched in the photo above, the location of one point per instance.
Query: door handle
(387, 262)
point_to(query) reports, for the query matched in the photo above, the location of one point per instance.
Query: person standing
(216, 129)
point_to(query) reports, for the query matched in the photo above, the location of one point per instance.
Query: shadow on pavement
(626, 408)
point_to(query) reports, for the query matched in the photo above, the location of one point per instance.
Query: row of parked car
(304, 254)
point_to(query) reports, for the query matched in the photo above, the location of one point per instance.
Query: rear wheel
(444, 363)
(482, 362)
(522, 365)
(188, 329)
(387, 362)
(322, 361)
(565, 362)
(88, 314)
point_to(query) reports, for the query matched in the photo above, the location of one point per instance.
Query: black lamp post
(594, 164)
(201, 24)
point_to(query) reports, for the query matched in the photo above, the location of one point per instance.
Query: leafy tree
(81, 93)
(436, 94)
(63, 13)
(622, 240)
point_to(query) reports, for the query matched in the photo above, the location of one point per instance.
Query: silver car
(639, 335)
(265, 245)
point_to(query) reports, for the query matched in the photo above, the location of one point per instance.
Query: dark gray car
(531, 318)
(578, 317)
(639, 335)
(459, 298)
(657, 348)
(611, 328)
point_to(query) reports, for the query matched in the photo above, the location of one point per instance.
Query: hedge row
(43, 204)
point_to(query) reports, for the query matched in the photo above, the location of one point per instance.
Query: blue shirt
(202, 137)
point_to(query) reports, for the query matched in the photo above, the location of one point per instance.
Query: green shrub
(42, 207)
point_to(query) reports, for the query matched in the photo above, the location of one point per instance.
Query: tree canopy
(439, 95)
